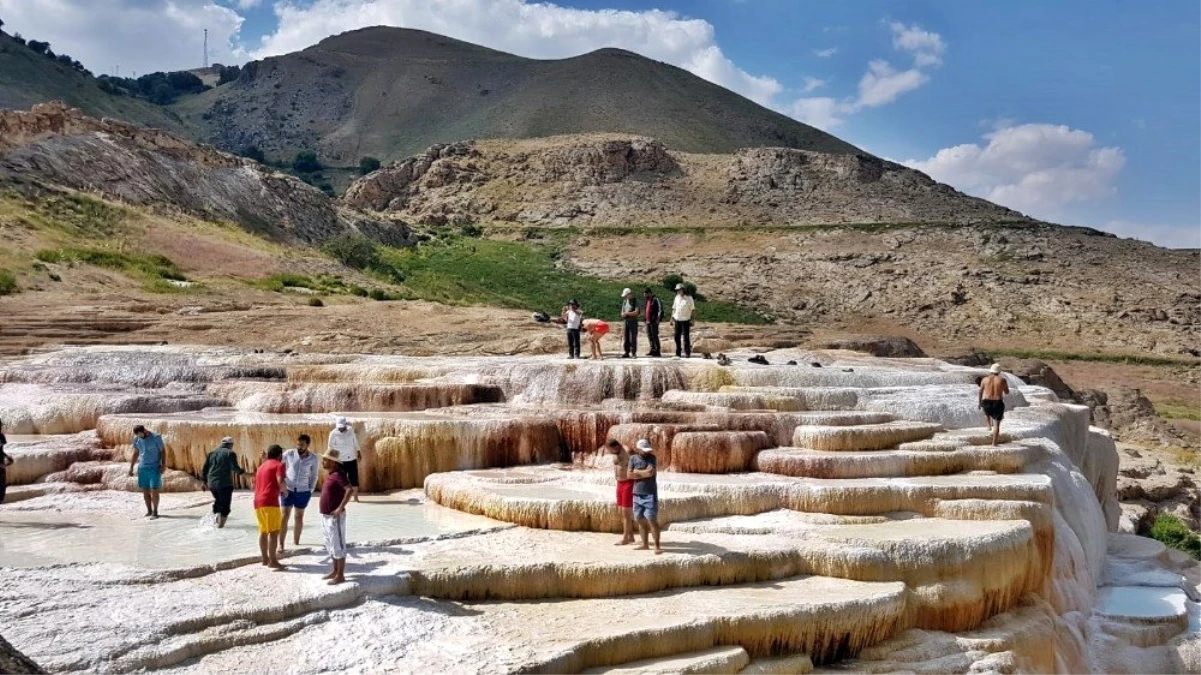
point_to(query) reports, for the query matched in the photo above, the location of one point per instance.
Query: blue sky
(1078, 111)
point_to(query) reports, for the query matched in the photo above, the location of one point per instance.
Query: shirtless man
(992, 400)
(625, 490)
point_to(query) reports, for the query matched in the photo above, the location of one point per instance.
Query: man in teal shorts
(148, 456)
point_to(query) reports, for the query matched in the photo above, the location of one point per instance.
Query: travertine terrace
(847, 516)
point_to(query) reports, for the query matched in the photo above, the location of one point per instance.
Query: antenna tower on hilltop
(206, 48)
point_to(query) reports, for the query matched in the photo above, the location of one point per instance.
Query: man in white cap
(344, 440)
(993, 389)
(629, 318)
(643, 467)
(220, 466)
(681, 317)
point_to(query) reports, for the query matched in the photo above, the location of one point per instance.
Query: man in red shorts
(625, 490)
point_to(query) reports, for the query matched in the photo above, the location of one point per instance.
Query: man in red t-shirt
(268, 484)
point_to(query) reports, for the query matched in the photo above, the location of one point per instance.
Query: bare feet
(644, 547)
(624, 542)
(277, 567)
(658, 551)
(336, 580)
(331, 575)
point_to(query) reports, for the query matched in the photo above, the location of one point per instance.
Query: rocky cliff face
(59, 146)
(614, 181)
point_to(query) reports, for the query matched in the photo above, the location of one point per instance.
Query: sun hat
(332, 455)
(227, 441)
(625, 292)
(996, 368)
(645, 445)
(343, 422)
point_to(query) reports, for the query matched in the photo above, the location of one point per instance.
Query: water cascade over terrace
(851, 514)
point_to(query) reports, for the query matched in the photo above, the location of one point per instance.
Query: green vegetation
(316, 302)
(353, 250)
(458, 270)
(1178, 410)
(1173, 533)
(8, 282)
(73, 214)
(367, 165)
(152, 268)
(1103, 357)
(322, 283)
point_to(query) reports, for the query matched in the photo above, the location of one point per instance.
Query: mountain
(27, 78)
(392, 92)
(631, 182)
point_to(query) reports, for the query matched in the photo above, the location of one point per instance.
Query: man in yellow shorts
(268, 485)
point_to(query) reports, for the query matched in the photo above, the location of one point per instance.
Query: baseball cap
(227, 441)
(644, 444)
(996, 368)
(679, 287)
(625, 292)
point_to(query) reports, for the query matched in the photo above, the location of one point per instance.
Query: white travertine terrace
(851, 515)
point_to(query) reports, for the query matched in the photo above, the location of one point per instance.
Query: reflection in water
(190, 537)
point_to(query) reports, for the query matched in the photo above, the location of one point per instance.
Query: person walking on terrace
(993, 389)
(268, 485)
(652, 313)
(344, 440)
(596, 329)
(643, 468)
(5, 462)
(220, 465)
(681, 316)
(335, 494)
(148, 451)
(573, 319)
(629, 318)
(300, 478)
(625, 490)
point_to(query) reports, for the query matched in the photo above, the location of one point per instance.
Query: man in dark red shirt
(268, 484)
(652, 313)
(335, 494)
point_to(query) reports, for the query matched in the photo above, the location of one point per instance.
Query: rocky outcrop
(56, 146)
(1033, 371)
(891, 346)
(13, 661)
(622, 181)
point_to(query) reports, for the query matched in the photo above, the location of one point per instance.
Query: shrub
(8, 283)
(367, 165)
(353, 250)
(670, 281)
(316, 302)
(377, 294)
(306, 162)
(147, 265)
(1173, 533)
(358, 290)
(471, 230)
(253, 152)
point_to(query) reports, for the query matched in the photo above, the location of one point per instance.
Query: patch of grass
(8, 282)
(1178, 410)
(166, 287)
(522, 275)
(77, 215)
(1102, 357)
(1173, 533)
(146, 265)
(322, 283)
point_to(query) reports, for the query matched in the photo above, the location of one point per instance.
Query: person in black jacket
(5, 462)
(652, 313)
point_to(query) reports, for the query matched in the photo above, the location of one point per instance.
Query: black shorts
(994, 409)
(221, 499)
(352, 472)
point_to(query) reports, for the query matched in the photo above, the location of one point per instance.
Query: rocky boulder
(13, 661)
(53, 145)
(1033, 371)
(890, 346)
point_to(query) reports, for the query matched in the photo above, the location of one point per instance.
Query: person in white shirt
(300, 480)
(573, 318)
(344, 440)
(681, 317)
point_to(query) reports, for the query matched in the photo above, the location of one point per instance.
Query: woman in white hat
(344, 440)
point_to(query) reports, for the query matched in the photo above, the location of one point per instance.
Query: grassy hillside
(27, 77)
(391, 92)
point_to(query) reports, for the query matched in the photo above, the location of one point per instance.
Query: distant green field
(1103, 357)
(466, 271)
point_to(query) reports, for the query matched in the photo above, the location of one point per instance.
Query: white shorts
(334, 528)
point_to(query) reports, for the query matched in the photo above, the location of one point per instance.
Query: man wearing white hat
(681, 316)
(220, 465)
(993, 389)
(643, 467)
(344, 440)
(629, 318)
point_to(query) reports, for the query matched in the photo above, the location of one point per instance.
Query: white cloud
(537, 30)
(138, 35)
(813, 83)
(881, 84)
(1034, 168)
(248, 4)
(825, 53)
(927, 48)
(1171, 236)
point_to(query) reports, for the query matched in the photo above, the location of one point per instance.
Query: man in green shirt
(219, 467)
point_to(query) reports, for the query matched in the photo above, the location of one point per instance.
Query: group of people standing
(283, 487)
(633, 313)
